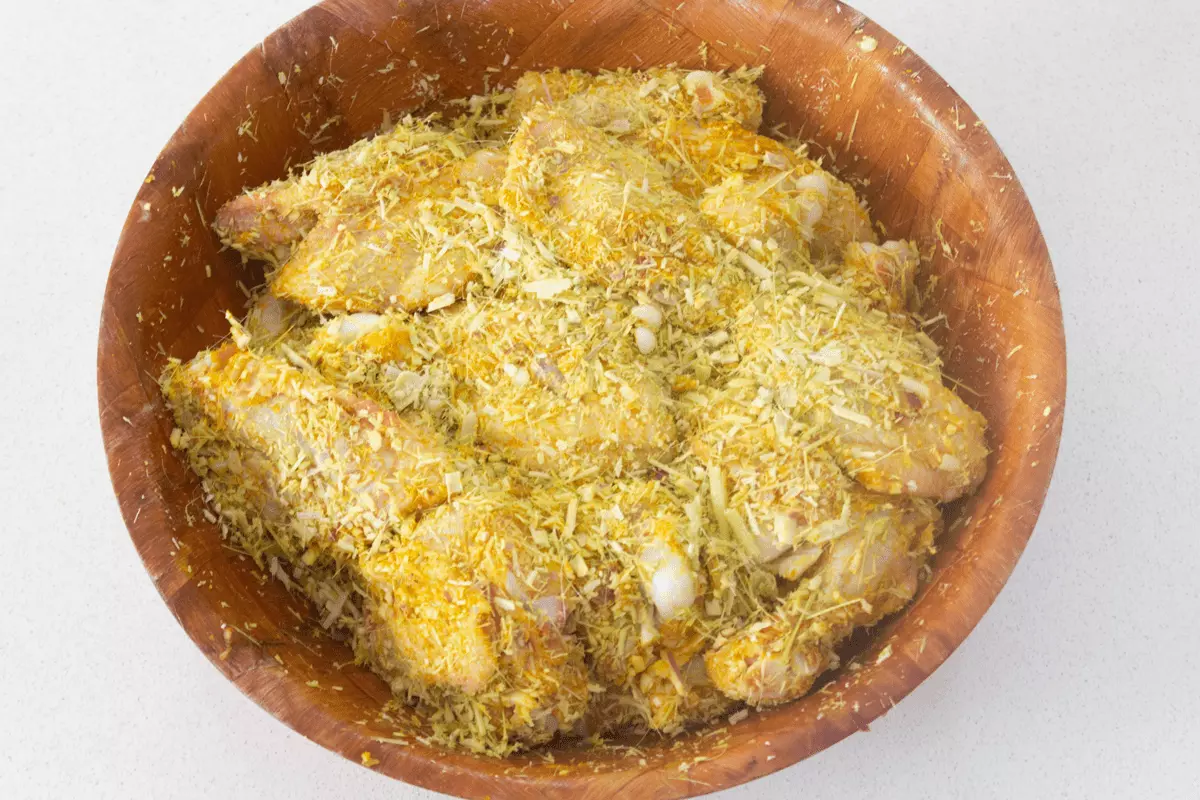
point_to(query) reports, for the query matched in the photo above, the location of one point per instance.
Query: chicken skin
(507, 376)
(267, 223)
(760, 193)
(457, 597)
(625, 102)
(402, 255)
(861, 577)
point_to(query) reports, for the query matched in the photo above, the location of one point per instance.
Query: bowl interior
(877, 114)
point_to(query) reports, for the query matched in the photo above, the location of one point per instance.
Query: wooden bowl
(872, 107)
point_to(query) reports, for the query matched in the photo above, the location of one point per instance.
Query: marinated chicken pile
(590, 410)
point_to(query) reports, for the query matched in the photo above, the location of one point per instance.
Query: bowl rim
(464, 775)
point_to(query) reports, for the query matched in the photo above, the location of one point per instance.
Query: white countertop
(1079, 682)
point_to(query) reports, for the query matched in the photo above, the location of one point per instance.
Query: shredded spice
(588, 410)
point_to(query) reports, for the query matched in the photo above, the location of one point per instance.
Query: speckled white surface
(1078, 684)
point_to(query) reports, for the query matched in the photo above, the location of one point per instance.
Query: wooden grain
(881, 117)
